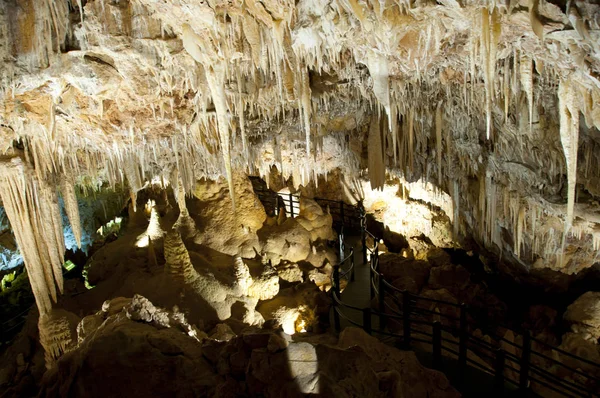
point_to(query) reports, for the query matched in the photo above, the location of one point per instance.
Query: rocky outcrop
(404, 376)
(137, 356)
(584, 316)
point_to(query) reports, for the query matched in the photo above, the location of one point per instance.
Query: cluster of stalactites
(269, 46)
(32, 208)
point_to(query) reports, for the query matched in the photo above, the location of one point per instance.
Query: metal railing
(341, 212)
(449, 328)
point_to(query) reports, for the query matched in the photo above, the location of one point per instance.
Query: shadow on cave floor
(519, 295)
(475, 383)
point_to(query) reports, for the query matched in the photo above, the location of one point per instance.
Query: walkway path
(357, 293)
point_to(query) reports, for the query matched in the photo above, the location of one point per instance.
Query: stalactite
(490, 34)
(241, 115)
(306, 107)
(32, 209)
(536, 24)
(506, 89)
(375, 155)
(526, 75)
(72, 207)
(379, 71)
(569, 137)
(438, 140)
(411, 139)
(204, 52)
(519, 234)
(456, 202)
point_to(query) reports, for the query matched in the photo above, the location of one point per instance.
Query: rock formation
(129, 351)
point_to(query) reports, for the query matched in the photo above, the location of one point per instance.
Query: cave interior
(273, 198)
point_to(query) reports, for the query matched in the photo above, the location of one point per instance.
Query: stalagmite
(56, 335)
(178, 264)
(152, 261)
(243, 279)
(154, 231)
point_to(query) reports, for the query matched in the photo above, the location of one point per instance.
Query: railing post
(406, 318)
(291, 205)
(336, 316)
(463, 337)
(336, 280)
(367, 320)
(525, 358)
(499, 371)
(342, 212)
(371, 276)
(352, 271)
(277, 205)
(363, 230)
(382, 318)
(437, 345)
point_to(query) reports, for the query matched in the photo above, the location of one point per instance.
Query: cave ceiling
(496, 102)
